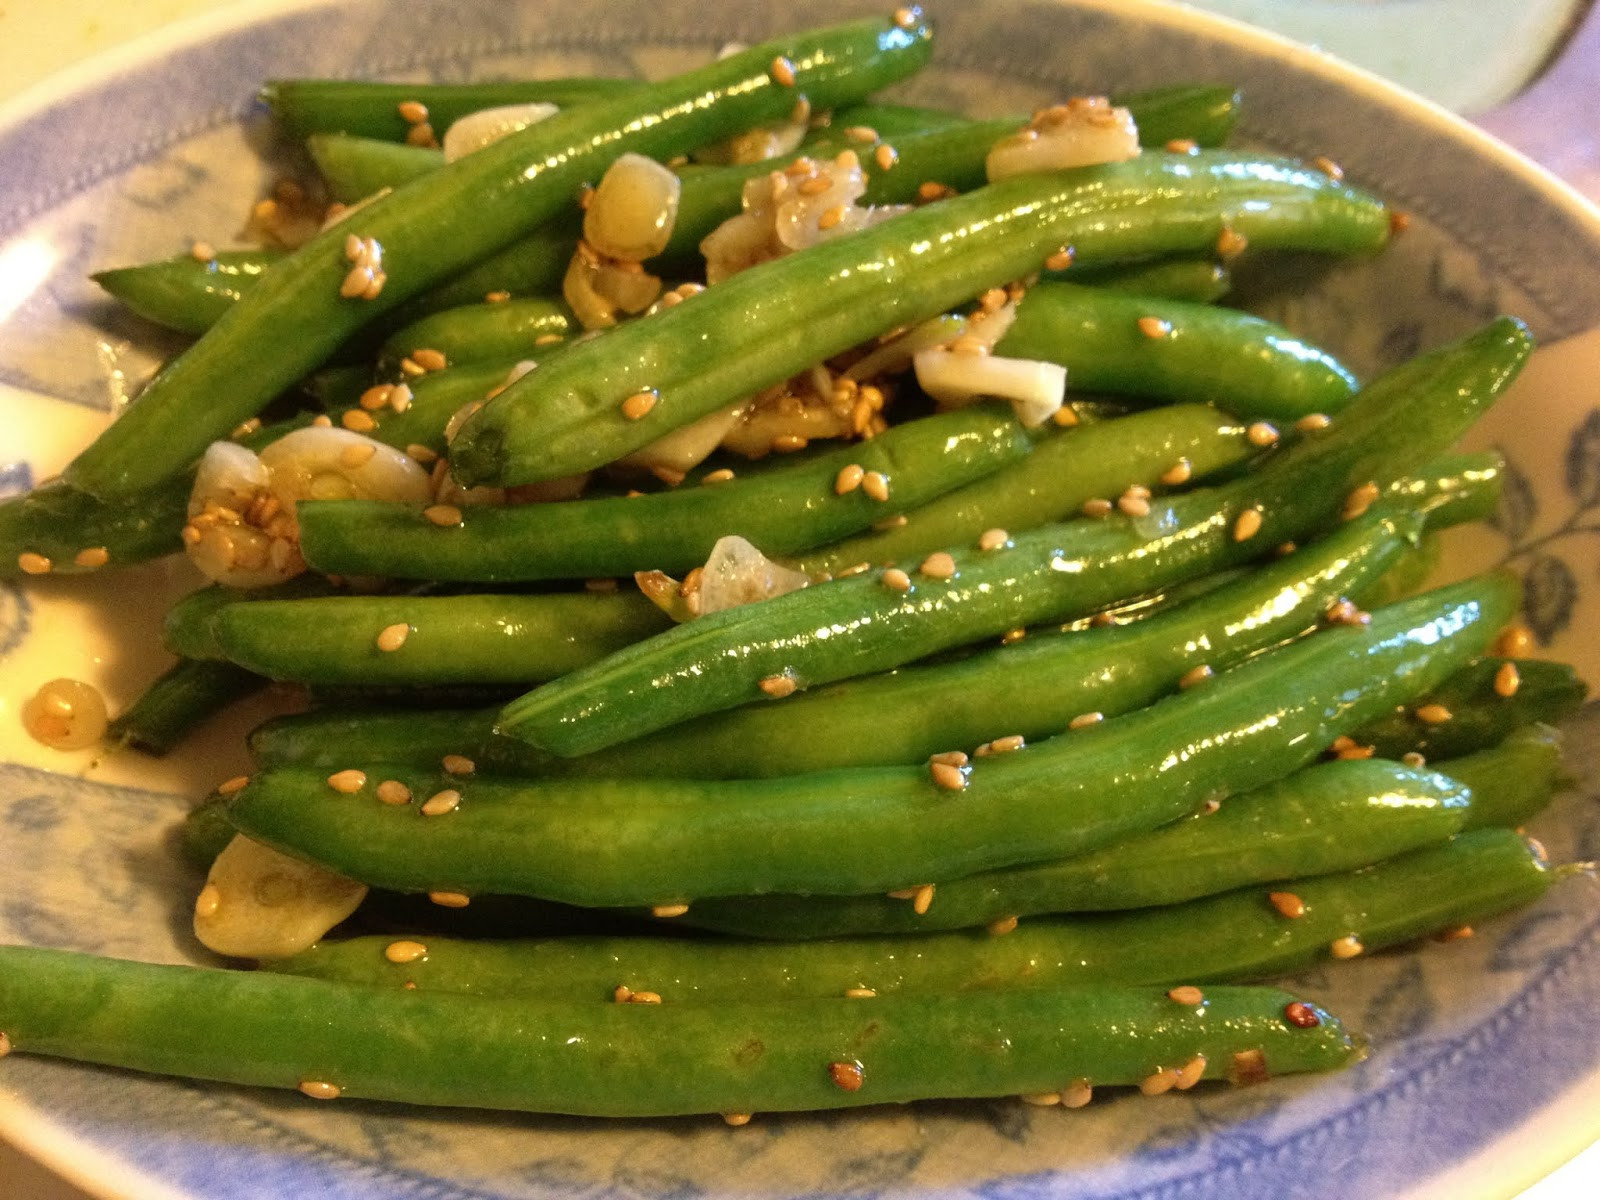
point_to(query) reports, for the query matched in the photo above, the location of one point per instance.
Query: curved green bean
(189, 294)
(356, 167)
(187, 629)
(1511, 782)
(508, 329)
(1200, 280)
(182, 698)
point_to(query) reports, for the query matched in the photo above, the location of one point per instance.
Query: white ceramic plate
(1476, 1043)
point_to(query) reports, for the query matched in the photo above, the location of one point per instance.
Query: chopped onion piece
(689, 445)
(1080, 133)
(1035, 389)
(737, 573)
(320, 463)
(258, 903)
(633, 210)
(597, 288)
(895, 355)
(477, 130)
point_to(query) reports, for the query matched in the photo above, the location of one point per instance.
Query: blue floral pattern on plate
(164, 150)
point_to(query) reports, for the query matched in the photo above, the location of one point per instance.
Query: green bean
(631, 1060)
(836, 294)
(302, 107)
(435, 398)
(509, 329)
(720, 660)
(1466, 711)
(782, 511)
(1454, 489)
(1200, 280)
(295, 315)
(1335, 816)
(1066, 469)
(358, 167)
(183, 697)
(187, 628)
(660, 841)
(205, 832)
(186, 293)
(388, 640)
(1196, 352)
(1238, 935)
(1511, 782)
(1201, 113)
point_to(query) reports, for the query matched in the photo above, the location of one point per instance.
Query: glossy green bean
(659, 841)
(720, 660)
(187, 628)
(509, 329)
(630, 1060)
(478, 638)
(1238, 935)
(1511, 782)
(1200, 280)
(356, 167)
(187, 293)
(1200, 352)
(1204, 114)
(787, 314)
(181, 699)
(295, 315)
(782, 511)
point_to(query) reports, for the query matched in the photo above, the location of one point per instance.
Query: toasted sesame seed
(788, 443)
(621, 994)
(356, 282)
(907, 18)
(1348, 946)
(411, 368)
(736, 1119)
(667, 911)
(1186, 994)
(322, 421)
(1076, 1094)
(319, 1090)
(1154, 327)
(639, 404)
(1041, 1099)
(1084, 720)
(1413, 758)
(938, 565)
(644, 998)
(1313, 423)
(721, 475)
(1182, 146)
(801, 112)
(376, 397)
(848, 479)
(1301, 1015)
(203, 252)
(209, 902)
(419, 453)
(33, 564)
(246, 428)
(349, 782)
(446, 801)
(1359, 500)
(876, 485)
(949, 777)
(236, 784)
(421, 134)
(863, 134)
(1179, 472)
(922, 899)
(1348, 748)
(1231, 244)
(1191, 1072)
(1262, 433)
(458, 764)
(782, 71)
(1288, 904)
(885, 156)
(1247, 1067)
(413, 112)
(1133, 505)
(450, 899)
(392, 791)
(1064, 416)
(860, 568)
(831, 217)
(429, 359)
(404, 951)
(847, 1076)
(1195, 675)
(496, 297)
(1002, 926)
(897, 579)
(1433, 714)
(898, 521)
(446, 516)
(1248, 525)
(1009, 744)
(1012, 636)
(1507, 680)
(1328, 167)
(1097, 507)
(547, 339)
(356, 455)
(930, 190)
(357, 421)
(1160, 1083)
(778, 686)
(993, 539)
(1060, 259)
(1515, 641)
(1455, 934)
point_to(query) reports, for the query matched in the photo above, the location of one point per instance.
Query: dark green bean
(785, 315)
(205, 832)
(182, 698)
(1198, 352)
(440, 639)
(1201, 280)
(295, 315)
(435, 398)
(186, 293)
(509, 329)
(782, 511)
(632, 1060)
(1454, 489)
(721, 660)
(659, 841)
(187, 629)
(1200, 113)
(358, 167)
(1512, 782)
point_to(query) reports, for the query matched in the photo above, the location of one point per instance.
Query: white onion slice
(633, 209)
(258, 903)
(477, 130)
(737, 573)
(1035, 389)
(1083, 132)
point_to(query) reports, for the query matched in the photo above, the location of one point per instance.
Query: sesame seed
(993, 539)
(1064, 415)
(460, 764)
(668, 911)
(1348, 946)
(377, 397)
(782, 71)
(1191, 1072)
(1346, 748)
(897, 579)
(419, 453)
(1413, 758)
(1231, 244)
(1262, 433)
(1182, 146)
(446, 801)
(1288, 904)
(1178, 472)
(847, 1076)
(349, 782)
(778, 686)
(1248, 1066)
(876, 485)
(357, 421)
(356, 282)
(446, 516)
(319, 1090)
(930, 190)
(1002, 926)
(885, 156)
(392, 637)
(1359, 500)
(1012, 636)
(1313, 422)
(736, 1119)
(1507, 680)
(33, 564)
(1433, 714)
(1399, 221)
(1077, 1094)
(644, 998)
(404, 951)
(938, 565)
(1009, 744)
(922, 899)
(1154, 327)
(548, 339)
(411, 368)
(621, 994)
(862, 134)
(949, 777)
(1061, 259)
(1248, 525)
(392, 791)
(322, 421)
(639, 404)
(496, 297)
(1456, 934)
(1084, 720)
(355, 456)
(801, 112)
(1187, 994)
(1160, 1083)
(229, 786)
(421, 134)
(831, 217)
(898, 521)
(1328, 167)
(722, 475)
(1195, 675)
(450, 899)
(1097, 507)
(1133, 505)
(907, 18)
(848, 479)
(209, 902)
(413, 112)
(1516, 641)
(1301, 1015)
(860, 568)
(788, 443)
(1041, 1099)
(429, 359)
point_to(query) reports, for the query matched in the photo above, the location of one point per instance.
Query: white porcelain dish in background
(1475, 1044)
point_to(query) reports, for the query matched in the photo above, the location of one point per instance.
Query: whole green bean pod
(874, 621)
(1197, 112)
(1124, 344)
(631, 1060)
(187, 628)
(356, 167)
(297, 313)
(1030, 688)
(508, 329)
(661, 842)
(180, 699)
(423, 640)
(1513, 781)
(186, 293)
(434, 399)
(781, 317)
(1238, 935)
(1200, 280)
(783, 510)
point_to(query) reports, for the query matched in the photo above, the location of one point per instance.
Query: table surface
(1552, 121)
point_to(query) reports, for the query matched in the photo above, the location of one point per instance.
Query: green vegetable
(183, 697)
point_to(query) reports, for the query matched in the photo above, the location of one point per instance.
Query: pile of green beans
(1067, 734)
